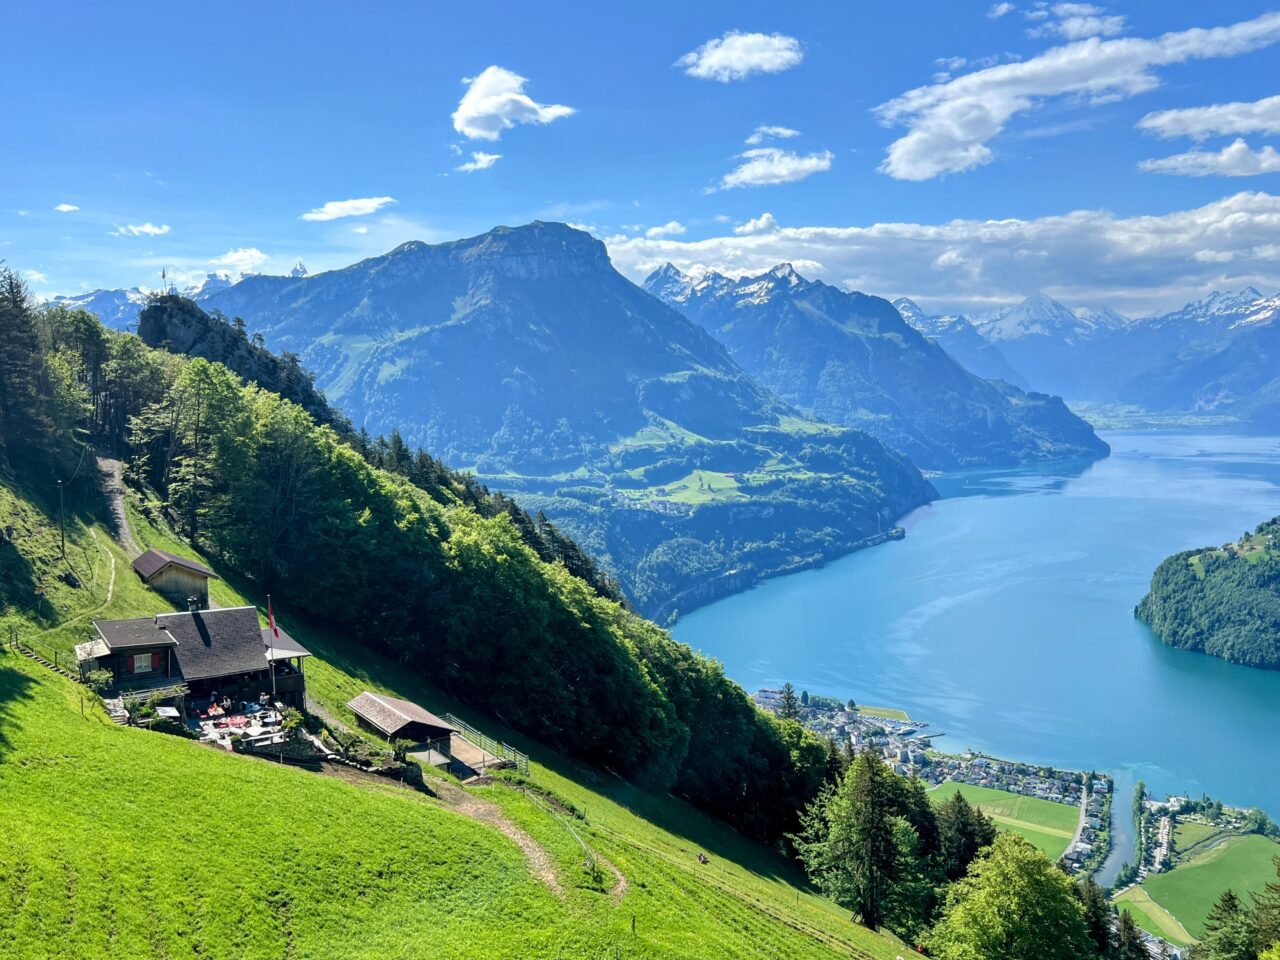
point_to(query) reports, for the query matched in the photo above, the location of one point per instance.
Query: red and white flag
(271, 619)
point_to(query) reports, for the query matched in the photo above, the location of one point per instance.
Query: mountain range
(1212, 356)
(523, 356)
(850, 358)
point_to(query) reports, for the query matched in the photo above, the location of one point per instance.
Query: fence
(503, 751)
(58, 660)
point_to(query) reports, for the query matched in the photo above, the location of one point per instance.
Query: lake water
(1005, 619)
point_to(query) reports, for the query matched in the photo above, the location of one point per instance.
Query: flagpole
(271, 666)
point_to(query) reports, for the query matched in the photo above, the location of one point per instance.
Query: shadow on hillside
(15, 687)
(702, 832)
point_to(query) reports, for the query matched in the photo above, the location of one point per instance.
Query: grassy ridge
(134, 844)
(1048, 825)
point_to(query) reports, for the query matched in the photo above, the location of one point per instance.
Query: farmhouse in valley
(194, 654)
(182, 581)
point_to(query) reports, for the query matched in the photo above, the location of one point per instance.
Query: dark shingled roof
(283, 647)
(207, 643)
(153, 561)
(391, 715)
(126, 634)
(216, 643)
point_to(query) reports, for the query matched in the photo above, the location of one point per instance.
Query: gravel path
(111, 476)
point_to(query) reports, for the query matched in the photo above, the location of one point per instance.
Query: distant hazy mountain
(117, 309)
(524, 356)
(1233, 369)
(1056, 349)
(957, 336)
(850, 358)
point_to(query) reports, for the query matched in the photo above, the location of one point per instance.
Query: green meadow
(126, 843)
(1048, 825)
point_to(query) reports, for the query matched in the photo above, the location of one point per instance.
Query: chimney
(193, 604)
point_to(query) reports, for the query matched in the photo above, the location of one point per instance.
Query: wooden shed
(399, 719)
(177, 578)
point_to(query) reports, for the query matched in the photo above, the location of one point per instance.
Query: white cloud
(66, 208)
(1260, 116)
(949, 124)
(242, 260)
(951, 64)
(362, 229)
(479, 161)
(1236, 160)
(1076, 21)
(766, 166)
(1138, 264)
(672, 228)
(765, 132)
(765, 223)
(998, 10)
(337, 209)
(736, 56)
(35, 276)
(147, 229)
(495, 101)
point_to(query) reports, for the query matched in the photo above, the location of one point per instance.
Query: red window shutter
(155, 661)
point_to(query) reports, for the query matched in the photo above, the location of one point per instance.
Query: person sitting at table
(226, 704)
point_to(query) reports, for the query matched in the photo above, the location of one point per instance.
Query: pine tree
(1097, 916)
(804, 698)
(25, 426)
(963, 831)
(1128, 943)
(788, 706)
(1266, 912)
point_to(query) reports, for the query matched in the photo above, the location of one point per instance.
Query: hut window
(142, 663)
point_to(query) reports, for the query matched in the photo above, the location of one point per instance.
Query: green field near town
(1152, 917)
(1048, 825)
(1188, 891)
(883, 713)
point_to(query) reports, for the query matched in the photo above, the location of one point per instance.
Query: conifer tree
(788, 705)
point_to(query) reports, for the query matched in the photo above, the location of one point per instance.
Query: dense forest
(417, 569)
(1221, 601)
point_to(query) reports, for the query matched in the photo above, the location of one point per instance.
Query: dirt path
(110, 474)
(541, 864)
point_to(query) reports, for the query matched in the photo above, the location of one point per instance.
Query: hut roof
(391, 715)
(153, 561)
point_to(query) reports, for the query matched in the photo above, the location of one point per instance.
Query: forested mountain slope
(1223, 601)
(523, 356)
(850, 358)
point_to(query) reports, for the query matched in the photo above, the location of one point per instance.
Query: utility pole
(62, 526)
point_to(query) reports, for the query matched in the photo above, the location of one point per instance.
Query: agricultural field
(1048, 825)
(1188, 833)
(1243, 863)
(1152, 917)
(138, 844)
(883, 713)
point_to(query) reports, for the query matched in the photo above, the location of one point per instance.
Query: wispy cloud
(737, 55)
(1236, 160)
(949, 124)
(998, 10)
(766, 132)
(35, 276)
(766, 166)
(1260, 116)
(479, 161)
(672, 228)
(495, 101)
(147, 229)
(337, 209)
(242, 260)
(66, 208)
(1076, 21)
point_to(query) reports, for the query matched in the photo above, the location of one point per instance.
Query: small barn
(177, 578)
(399, 719)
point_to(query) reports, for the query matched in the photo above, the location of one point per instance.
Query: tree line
(423, 573)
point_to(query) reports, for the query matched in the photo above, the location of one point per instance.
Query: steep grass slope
(126, 843)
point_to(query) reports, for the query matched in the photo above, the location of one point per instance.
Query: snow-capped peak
(299, 271)
(909, 310)
(785, 271)
(1037, 315)
(1101, 318)
(211, 283)
(669, 283)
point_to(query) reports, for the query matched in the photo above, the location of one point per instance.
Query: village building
(182, 581)
(397, 719)
(191, 655)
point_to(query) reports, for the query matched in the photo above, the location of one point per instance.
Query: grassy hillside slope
(137, 844)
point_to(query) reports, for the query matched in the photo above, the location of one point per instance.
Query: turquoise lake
(1005, 620)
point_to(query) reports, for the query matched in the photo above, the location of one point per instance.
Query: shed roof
(153, 561)
(139, 632)
(391, 715)
(282, 647)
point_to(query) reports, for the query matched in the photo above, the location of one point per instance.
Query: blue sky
(960, 153)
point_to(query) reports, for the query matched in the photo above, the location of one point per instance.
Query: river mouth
(1005, 619)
